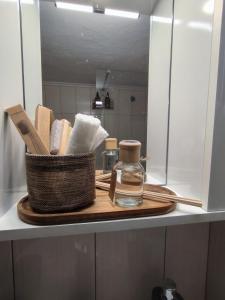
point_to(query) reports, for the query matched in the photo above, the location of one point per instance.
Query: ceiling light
(121, 13)
(27, 1)
(72, 6)
(200, 25)
(208, 7)
(162, 20)
(165, 20)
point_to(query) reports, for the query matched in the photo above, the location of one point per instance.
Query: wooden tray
(101, 210)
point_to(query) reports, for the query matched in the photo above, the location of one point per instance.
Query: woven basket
(60, 183)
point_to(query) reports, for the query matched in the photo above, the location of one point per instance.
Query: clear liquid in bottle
(130, 175)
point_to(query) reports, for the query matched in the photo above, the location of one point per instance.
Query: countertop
(12, 228)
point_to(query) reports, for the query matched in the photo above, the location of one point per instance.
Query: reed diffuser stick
(154, 196)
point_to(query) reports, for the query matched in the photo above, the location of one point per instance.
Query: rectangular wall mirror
(107, 64)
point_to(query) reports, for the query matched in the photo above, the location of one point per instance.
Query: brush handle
(27, 131)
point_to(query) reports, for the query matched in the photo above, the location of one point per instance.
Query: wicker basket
(60, 183)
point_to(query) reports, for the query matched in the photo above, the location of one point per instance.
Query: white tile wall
(52, 98)
(139, 129)
(83, 100)
(139, 106)
(68, 99)
(110, 125)
(124, 101)
(124, 126)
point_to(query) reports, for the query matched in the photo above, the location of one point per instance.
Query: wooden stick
(152, 195)
(43, 117)
(64, 136)
(102, 185)
(173, 198)
(103, 176)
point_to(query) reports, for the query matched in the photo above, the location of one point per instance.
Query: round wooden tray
(101, 210)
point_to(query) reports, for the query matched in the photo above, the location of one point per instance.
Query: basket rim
(79, 155)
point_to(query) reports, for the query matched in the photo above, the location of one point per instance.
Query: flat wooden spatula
(27, 130)
(43, 120)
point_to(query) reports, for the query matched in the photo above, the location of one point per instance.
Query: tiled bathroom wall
(126, 121)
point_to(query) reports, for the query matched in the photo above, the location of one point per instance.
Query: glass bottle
(169, 290)
(97, 102)
(111, 155)
(130, 175)
(107, 101)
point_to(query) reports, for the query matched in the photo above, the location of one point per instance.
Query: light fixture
(97, 9)
(165, 20)
(27, 2)
(200, 25)
(161, 19)
(208, 7)
(121, 13)
(72, 6)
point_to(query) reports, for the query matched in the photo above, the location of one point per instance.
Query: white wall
(191, 55)
(159, 82)
(195, 165)
(214, 173)
(12, 175)
(30, 21)
(126, 121)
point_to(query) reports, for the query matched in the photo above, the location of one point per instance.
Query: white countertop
(12, 228)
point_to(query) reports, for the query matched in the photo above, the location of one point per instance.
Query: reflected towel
(100, 136)
(83, 134)
(56, 133)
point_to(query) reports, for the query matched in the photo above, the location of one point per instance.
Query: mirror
(99, 64)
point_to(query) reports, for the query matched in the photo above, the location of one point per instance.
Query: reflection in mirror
(86, 56)
(98, 64)
(159, 89)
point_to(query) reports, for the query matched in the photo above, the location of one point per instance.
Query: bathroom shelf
(12, 228)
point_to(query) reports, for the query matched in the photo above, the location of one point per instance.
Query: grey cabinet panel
(129, 264)
(215, 288)
(186, 258)
(55, 268)
(6, 273)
